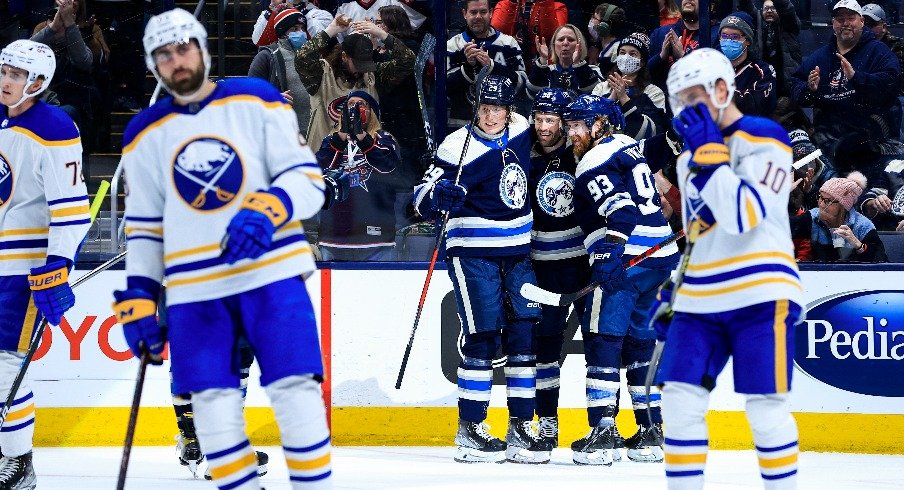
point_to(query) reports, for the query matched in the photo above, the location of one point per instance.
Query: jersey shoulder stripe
(761, 130)
(48, 125)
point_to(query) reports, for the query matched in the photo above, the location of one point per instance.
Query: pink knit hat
(845, 190)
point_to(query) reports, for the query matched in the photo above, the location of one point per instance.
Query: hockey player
(43, 219)
(619, 212)
(741, 295)
(220, 181)
(488, 245)
(557, 249)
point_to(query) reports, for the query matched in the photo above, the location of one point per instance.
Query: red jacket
(545, 17)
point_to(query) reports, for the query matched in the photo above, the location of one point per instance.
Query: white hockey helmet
(705, 67)
(35, 58)
(173, 26)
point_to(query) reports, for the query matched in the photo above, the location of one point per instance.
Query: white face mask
(627, 64)
(591, 28)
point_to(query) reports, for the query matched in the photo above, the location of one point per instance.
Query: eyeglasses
(733, 37)
(163, 55)
(378, 22)
(769, 9)
(826, 200)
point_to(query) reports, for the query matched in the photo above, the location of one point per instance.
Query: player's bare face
(548, 128)
(477, 16)
(181, 66)
(492, 118)
(12, 84)
(580, 138)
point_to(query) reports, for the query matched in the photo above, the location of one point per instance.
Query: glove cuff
(134, 309)
(711, 154)
(269, 205)
(48, 276)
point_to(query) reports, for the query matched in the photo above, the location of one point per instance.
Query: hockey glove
(607, 268)
(702, 137)
(50, 289)
(447, 196)
(661, 311)
(337, 187)
(137, 312)
(250, 232)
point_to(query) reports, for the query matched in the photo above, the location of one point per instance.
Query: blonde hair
(577, 34)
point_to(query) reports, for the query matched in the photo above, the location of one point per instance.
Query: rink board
(84, 375)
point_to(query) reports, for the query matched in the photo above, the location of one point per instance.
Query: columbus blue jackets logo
(512, 182)
(208, 173)
(555, 194)
(6, 180)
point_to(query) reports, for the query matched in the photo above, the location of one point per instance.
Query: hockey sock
(298, 405)
(775, 437)
(221, 432)
(636, 354)
(603, 354)
(475, 375)
(19, 426)
(184, 415)
(549, 350)
(520, 369)
(686, 441)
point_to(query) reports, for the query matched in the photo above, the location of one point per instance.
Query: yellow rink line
(408, 426)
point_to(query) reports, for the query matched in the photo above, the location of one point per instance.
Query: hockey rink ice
(367, 468)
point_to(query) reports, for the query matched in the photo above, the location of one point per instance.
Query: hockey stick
(442, 231)
(535, 293)
(39, 332)
(133, 421)
(420, 63)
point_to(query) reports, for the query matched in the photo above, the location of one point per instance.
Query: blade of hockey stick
(535, 293)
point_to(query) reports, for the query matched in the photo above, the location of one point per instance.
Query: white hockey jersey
(43, 201)
(744, 254)
(363, 10)
(188, 169)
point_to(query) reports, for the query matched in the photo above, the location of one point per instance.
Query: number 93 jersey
(43, 201)
(616, 195)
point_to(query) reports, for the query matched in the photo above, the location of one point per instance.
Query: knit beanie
(845, 190)
(286, 20)
(640, 41)
(371, 101)
(801, 145)
(742, 22)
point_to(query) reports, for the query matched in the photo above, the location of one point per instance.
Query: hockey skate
(189, 453)
(262, 460)
(598, 447)
(524, 444)
(17, 473)
(646, 445)
(549, 430)
(476, 445)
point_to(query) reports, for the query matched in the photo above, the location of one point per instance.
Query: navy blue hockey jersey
(616, 195)
(556, 234)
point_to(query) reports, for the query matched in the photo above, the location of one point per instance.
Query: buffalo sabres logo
(555, 194)
(208, 173)
(512, 182)
(6, 180)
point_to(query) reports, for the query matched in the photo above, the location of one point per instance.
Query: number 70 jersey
(616, 195)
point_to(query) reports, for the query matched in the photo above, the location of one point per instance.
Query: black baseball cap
(359, 48)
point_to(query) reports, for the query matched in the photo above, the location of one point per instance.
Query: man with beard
(348, 66)
(478, 46)
(618, 210)
(220, 181)
(487, 253)
(557, 249)
(669, 43)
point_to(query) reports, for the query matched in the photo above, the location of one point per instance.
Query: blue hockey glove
(606, 268)
(137, 312)
(50, 288)
(702, 137)
(661, 312)
(250, 232)
(447, 196)
(337, 187)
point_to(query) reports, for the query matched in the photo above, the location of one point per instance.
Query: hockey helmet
(552, 101)
(35, 58)
(173, 26)
(497, 90)
(588, 107)
(705, 67)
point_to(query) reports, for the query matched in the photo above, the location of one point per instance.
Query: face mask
(297, 38)
(594, 35)
(732, 48)
(627, 64)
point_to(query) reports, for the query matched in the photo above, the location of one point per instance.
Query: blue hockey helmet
(588, 107)
(497, 90)
(552, 101)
